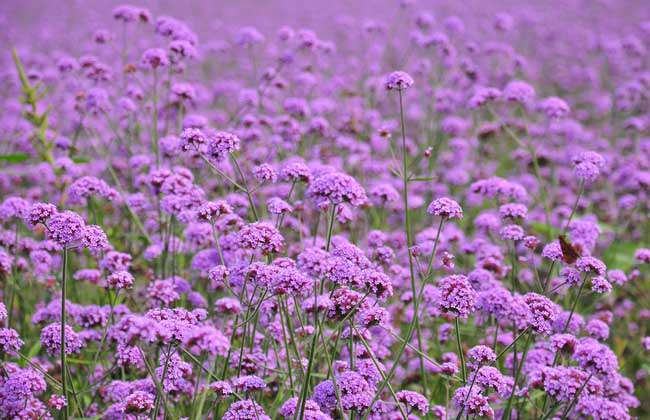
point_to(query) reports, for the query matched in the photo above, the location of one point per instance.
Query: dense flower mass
(381, 210)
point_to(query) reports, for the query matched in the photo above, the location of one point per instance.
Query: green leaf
(543, 228)
(620, 255)
(81, 159)
(14, 157)
(33, 351)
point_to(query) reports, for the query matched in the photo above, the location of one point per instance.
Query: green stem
(154, 131)
(461, 354)
(409, 241)
(310, 363)
(64, 384)
(380, 370)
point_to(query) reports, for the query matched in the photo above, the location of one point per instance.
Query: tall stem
(575, 303)
(409, 240)
(154, 123)
(461, 354)
(64, 273)
(310, 363)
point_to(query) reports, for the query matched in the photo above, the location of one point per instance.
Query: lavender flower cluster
(400, 210)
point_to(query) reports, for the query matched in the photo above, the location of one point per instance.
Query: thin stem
(380, 370)
(64, 271)
(575, 397)
(161, 391)
(154, 125)
(575, 303)
(246, 189)
(461, 354)
(575, 205)
(310, 363)
(409, 240)
(507, 410)
(405, 342)
(435, 246)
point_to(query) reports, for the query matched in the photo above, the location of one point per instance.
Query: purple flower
(66, 228)
(472, 402)
(245, 410)
(445, 207)
(600, 408)
(154, 58)
(513, 211)
(95, 239)
(88, 187)
(599, 284)
(296, 172)
(642, 255)
(414, 401)
(587, 165)
(595, 357)
(552, 251)
(40, 213)
(591, 265)
(512, 233)
(10, 341)
(457, 295)
(311, 410)
(57, 402)
(555, 108)
(544, 312)
(139, 402)
(518, 91)
(355, 392)
(597, 329)
(51, 339)
(265, 173)
(479, 356)
(120, 280)
(221, 388)
(482, 96)
(221, 144)
(14, 207)
(192, 139)
(336, 188)
(562, 383)
(262, 236)
(248, 383)
(277, 205)
(398, 80)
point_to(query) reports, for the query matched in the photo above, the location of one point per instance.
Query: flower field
(342, 210)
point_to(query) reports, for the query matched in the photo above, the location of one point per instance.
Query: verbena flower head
(221, 144)
(398, 80)
(591, 265)
(39, 213)
(554, 107)
(587, 165)
(457, 295)
(414, 401)
(154, 58)
(120, 280)
(336, 188)
(66, 228)
(261, 236)
(544, 312)
(51, 339)
(10, 341)
(518, 91)
(245, 410)
(445, 207)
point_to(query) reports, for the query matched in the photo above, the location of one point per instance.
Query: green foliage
(14, 158)
(39, 120)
